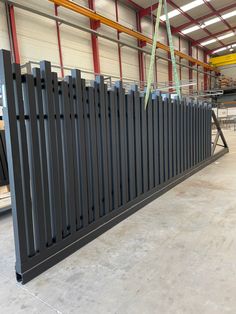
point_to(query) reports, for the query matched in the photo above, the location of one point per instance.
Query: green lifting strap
(153, 55)
(172, 51)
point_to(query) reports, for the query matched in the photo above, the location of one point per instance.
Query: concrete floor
(176, 255)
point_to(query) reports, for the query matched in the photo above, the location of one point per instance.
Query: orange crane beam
(123, 29)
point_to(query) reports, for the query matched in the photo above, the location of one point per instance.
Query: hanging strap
(172, 51)
(153, 55)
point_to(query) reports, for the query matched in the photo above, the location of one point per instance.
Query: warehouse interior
(117, 156)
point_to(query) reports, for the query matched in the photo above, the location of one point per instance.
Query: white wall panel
(130, 63)
(106, 8)
(4, 38)
(108, 52)
(147, 27)
(194, 52)
(176, 42)
(229, 70)
(162, 70)
(184, 46)
(127, 16)
(200, 55)
(37, 37)
(76, 48)
(163, 36)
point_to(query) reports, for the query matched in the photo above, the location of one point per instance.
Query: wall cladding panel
(4, 38)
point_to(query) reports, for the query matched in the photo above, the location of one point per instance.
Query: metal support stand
(219, 134)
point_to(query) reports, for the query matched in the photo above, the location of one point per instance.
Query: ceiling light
(210, 22)
(231, 49)
(228, 15)
(226, 36)
(208, 42)
(191, 29)
(184, 8)
(220, 49)
(170, 15)
(192, 5)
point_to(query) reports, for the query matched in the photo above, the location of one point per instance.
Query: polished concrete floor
(177, 255)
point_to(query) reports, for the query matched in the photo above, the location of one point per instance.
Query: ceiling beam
(202, 18)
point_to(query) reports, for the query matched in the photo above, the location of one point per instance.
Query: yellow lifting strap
(172, 53)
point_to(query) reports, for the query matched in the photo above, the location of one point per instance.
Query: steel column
(140, 53)
(205, 74)
(94, 39)
(197, 71)
(180, 66)
(12, 33)
(59, 40)
(118, 37)
(190, 71)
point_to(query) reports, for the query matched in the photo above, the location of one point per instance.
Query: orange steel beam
(123, 29)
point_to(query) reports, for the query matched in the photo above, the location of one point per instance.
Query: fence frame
(28, 268)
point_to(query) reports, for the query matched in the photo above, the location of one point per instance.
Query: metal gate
(82, 158)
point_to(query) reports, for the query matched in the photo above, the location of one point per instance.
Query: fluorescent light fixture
(231, 46)
(204, 43)
(191, 29)
(209, 22)
(231, 49)
(226, 36)
(192, 5)
(185, 8)
(170, 15)
(212, 21)
(228, 15)
(220, 49)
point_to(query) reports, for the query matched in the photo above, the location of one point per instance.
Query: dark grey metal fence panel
(156, 140)
(137, 137)
(161, 137)
(82, 158)
(130, 145)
